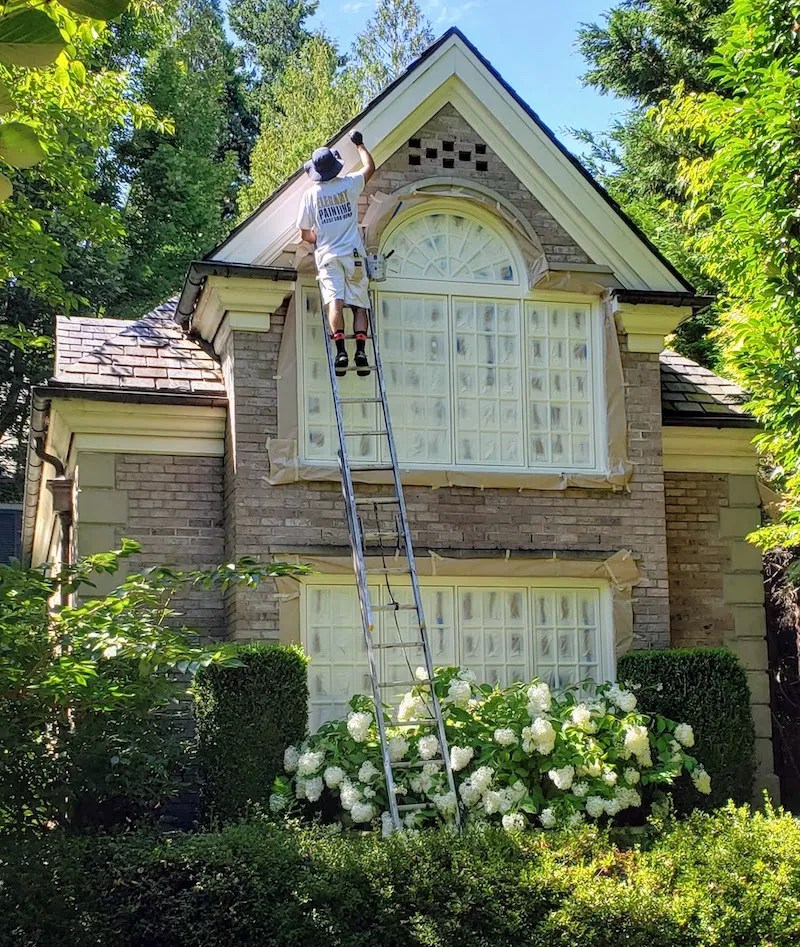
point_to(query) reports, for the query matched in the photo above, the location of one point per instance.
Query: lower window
(504, 632)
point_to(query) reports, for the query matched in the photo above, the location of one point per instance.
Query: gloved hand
(357, 138)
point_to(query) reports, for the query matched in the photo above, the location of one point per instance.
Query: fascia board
(709, 450)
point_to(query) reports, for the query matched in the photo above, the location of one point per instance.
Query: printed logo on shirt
(334, 207)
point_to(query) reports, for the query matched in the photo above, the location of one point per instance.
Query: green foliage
(393, 37)
(743, 220)
(706, 687)
(87, 687)
(313, 99)
(246, 716)
(730, 878)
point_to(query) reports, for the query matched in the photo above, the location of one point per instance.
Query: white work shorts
(340, 278)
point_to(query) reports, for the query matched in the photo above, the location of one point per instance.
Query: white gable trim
(453, 74)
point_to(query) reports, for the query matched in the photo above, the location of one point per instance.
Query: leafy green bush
(730, 878)
(706, 687)
(521, 756)
(246, 716)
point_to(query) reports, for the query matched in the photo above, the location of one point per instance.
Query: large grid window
(504, 633)
(482, 377)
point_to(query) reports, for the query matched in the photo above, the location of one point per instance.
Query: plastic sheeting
(619, 570)
(286, 465)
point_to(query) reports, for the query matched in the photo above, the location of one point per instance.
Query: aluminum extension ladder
(366, 536)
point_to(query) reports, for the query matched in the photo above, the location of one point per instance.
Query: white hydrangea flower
(581, 717)
(637, 743)
(368, 792)
(539, 698)
(580, 789)
(496, 800)
(562, 777)
(514, 822)
(349, 795)
(460, 756)
(539, 736)
(465, 674)
(412, 707)
(300, 789)
(625, 700)
(333, 775)
(548, 818)
(505, 736)
(411, 819)
(631, 776)
(446, 803)
(314, 788)
(684, 735)
(309, 763)
(576, 818)
(611, 806)
(482, 778)
(701, 780)
(278, 802)
(428, 747)
(628, 798)
(518, 791)
(291, 757)
(358, 724)
(367, 771)
(470, 794)
(362, 812)
(401, 789)
(610, 777)
(595, 806)
(593, 769)
(459, 692)
(387, 825)
(398, 747)
(421, 673)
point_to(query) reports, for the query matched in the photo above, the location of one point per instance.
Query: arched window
(481, 374)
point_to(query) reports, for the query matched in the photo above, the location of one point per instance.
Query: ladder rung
(421, 722)
(365, 433)
(395, 607)
(359, 368)
(399, 570)
(411, 764)
(368, 468)
(360, 400)
(381, 534)
(407, 683)
(398, 644)
(415, 805)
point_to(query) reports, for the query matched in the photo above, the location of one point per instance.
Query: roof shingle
(691, 394)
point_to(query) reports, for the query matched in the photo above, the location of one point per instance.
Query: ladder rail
(359, 567)
(403, 516)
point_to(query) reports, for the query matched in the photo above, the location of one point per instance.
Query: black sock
(338, 338)
(361, 341)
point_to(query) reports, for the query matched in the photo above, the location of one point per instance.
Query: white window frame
(606, 660)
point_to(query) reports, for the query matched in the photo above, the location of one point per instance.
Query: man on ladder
(328, 219)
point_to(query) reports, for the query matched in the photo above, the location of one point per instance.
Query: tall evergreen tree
(271, 32)
(393, 38)
(314, 97)
(640, 51)
(183, 185)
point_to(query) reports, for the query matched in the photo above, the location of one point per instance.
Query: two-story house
(573, 489)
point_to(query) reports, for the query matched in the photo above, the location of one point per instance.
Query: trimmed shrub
(727, 878)
(246, 717)
(707, 688)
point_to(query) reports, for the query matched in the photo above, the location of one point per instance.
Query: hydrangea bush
(523, 756)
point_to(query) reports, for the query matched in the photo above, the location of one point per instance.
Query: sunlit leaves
(97, 9)
(19, 145)
(30, 38)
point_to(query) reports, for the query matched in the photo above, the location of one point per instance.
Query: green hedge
(730, 878)
(246, 717)
(707, 688)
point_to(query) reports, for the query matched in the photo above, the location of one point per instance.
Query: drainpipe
(62, 489)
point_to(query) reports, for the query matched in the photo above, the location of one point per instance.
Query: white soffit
(453, 73)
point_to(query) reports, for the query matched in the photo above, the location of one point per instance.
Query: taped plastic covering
(619, 570)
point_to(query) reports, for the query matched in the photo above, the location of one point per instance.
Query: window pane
(494, 635)
(561, 426)
(566, 635)
(321, 438)
(449, 246)
(416, 363)
(489, 428)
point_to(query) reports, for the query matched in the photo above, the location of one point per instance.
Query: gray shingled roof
(691, 394)
(148, 354)
(155, 354)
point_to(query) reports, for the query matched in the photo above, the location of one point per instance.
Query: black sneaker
(362, 364)
(340, 363)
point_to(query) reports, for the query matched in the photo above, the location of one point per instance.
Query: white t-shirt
(330, 209)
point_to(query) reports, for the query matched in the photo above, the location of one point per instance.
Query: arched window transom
(449, 246)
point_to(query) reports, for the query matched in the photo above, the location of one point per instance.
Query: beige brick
(758, 682)
(96, 538)
(743, 491)
(96, 469)
(745, 557)
(749, 621)
(751, 652)
(738, 522)
(743, 589)
(762, 718)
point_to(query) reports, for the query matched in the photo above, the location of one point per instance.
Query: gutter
(654, 297)
(67, 390)
(200, 270)
(40, 418)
